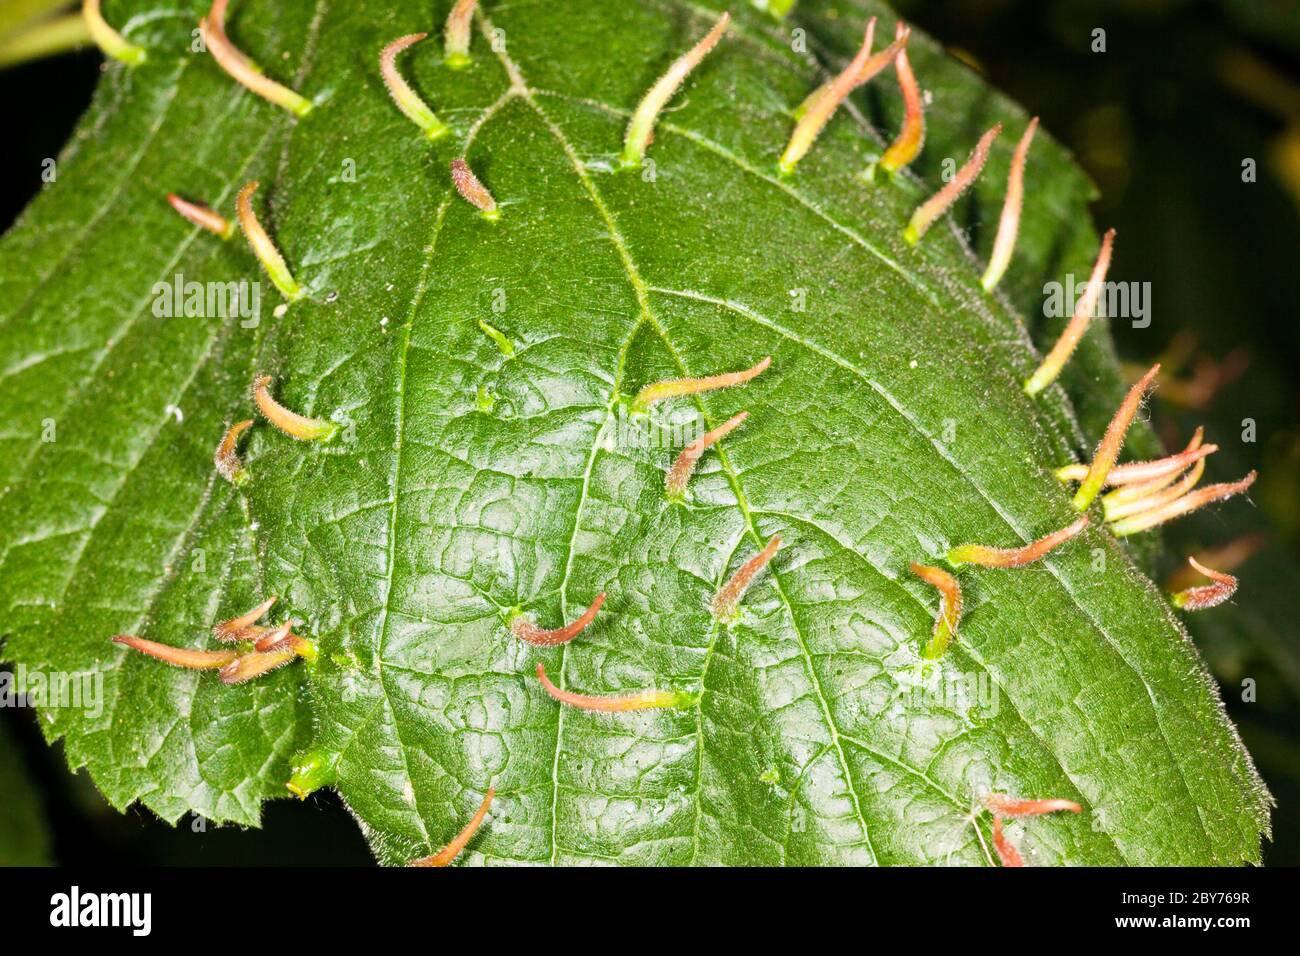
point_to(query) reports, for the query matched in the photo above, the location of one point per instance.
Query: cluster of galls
(256, 649)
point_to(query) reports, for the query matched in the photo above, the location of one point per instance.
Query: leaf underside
(890, 427)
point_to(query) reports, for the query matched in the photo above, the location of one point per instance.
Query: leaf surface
(467, 482)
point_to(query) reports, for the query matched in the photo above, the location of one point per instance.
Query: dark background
(1162, 121)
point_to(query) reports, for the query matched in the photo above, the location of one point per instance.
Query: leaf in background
(467, 482)
(1211, 292)
(1255, 629)
(24, 836)
(1271, 23)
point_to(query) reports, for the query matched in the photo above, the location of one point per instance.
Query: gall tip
(679, 475)
(1003, 805)
(640, 129)
(950, 609)
(1055, 360)
(726, 603)
(472, 190)
(291, 423)
(1189, 502)
(929, 212)
(620, 703)
(1206, 596)
(1112, 441)
(676, 387)
(816, 110)
(907, 145)
(408, 102)
(1009, 223)
(241, 628)
(456, 34)
(202, 215)
(177, 656)
(241, 69)
(447, 854)
(255, 664)
(264, 248)
(226, 457)
(530, 633)
(1015, 557)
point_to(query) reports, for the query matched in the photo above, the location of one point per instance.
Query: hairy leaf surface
(467, 482)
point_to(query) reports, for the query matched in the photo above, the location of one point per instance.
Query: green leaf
(467, 481)
(24, 834)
